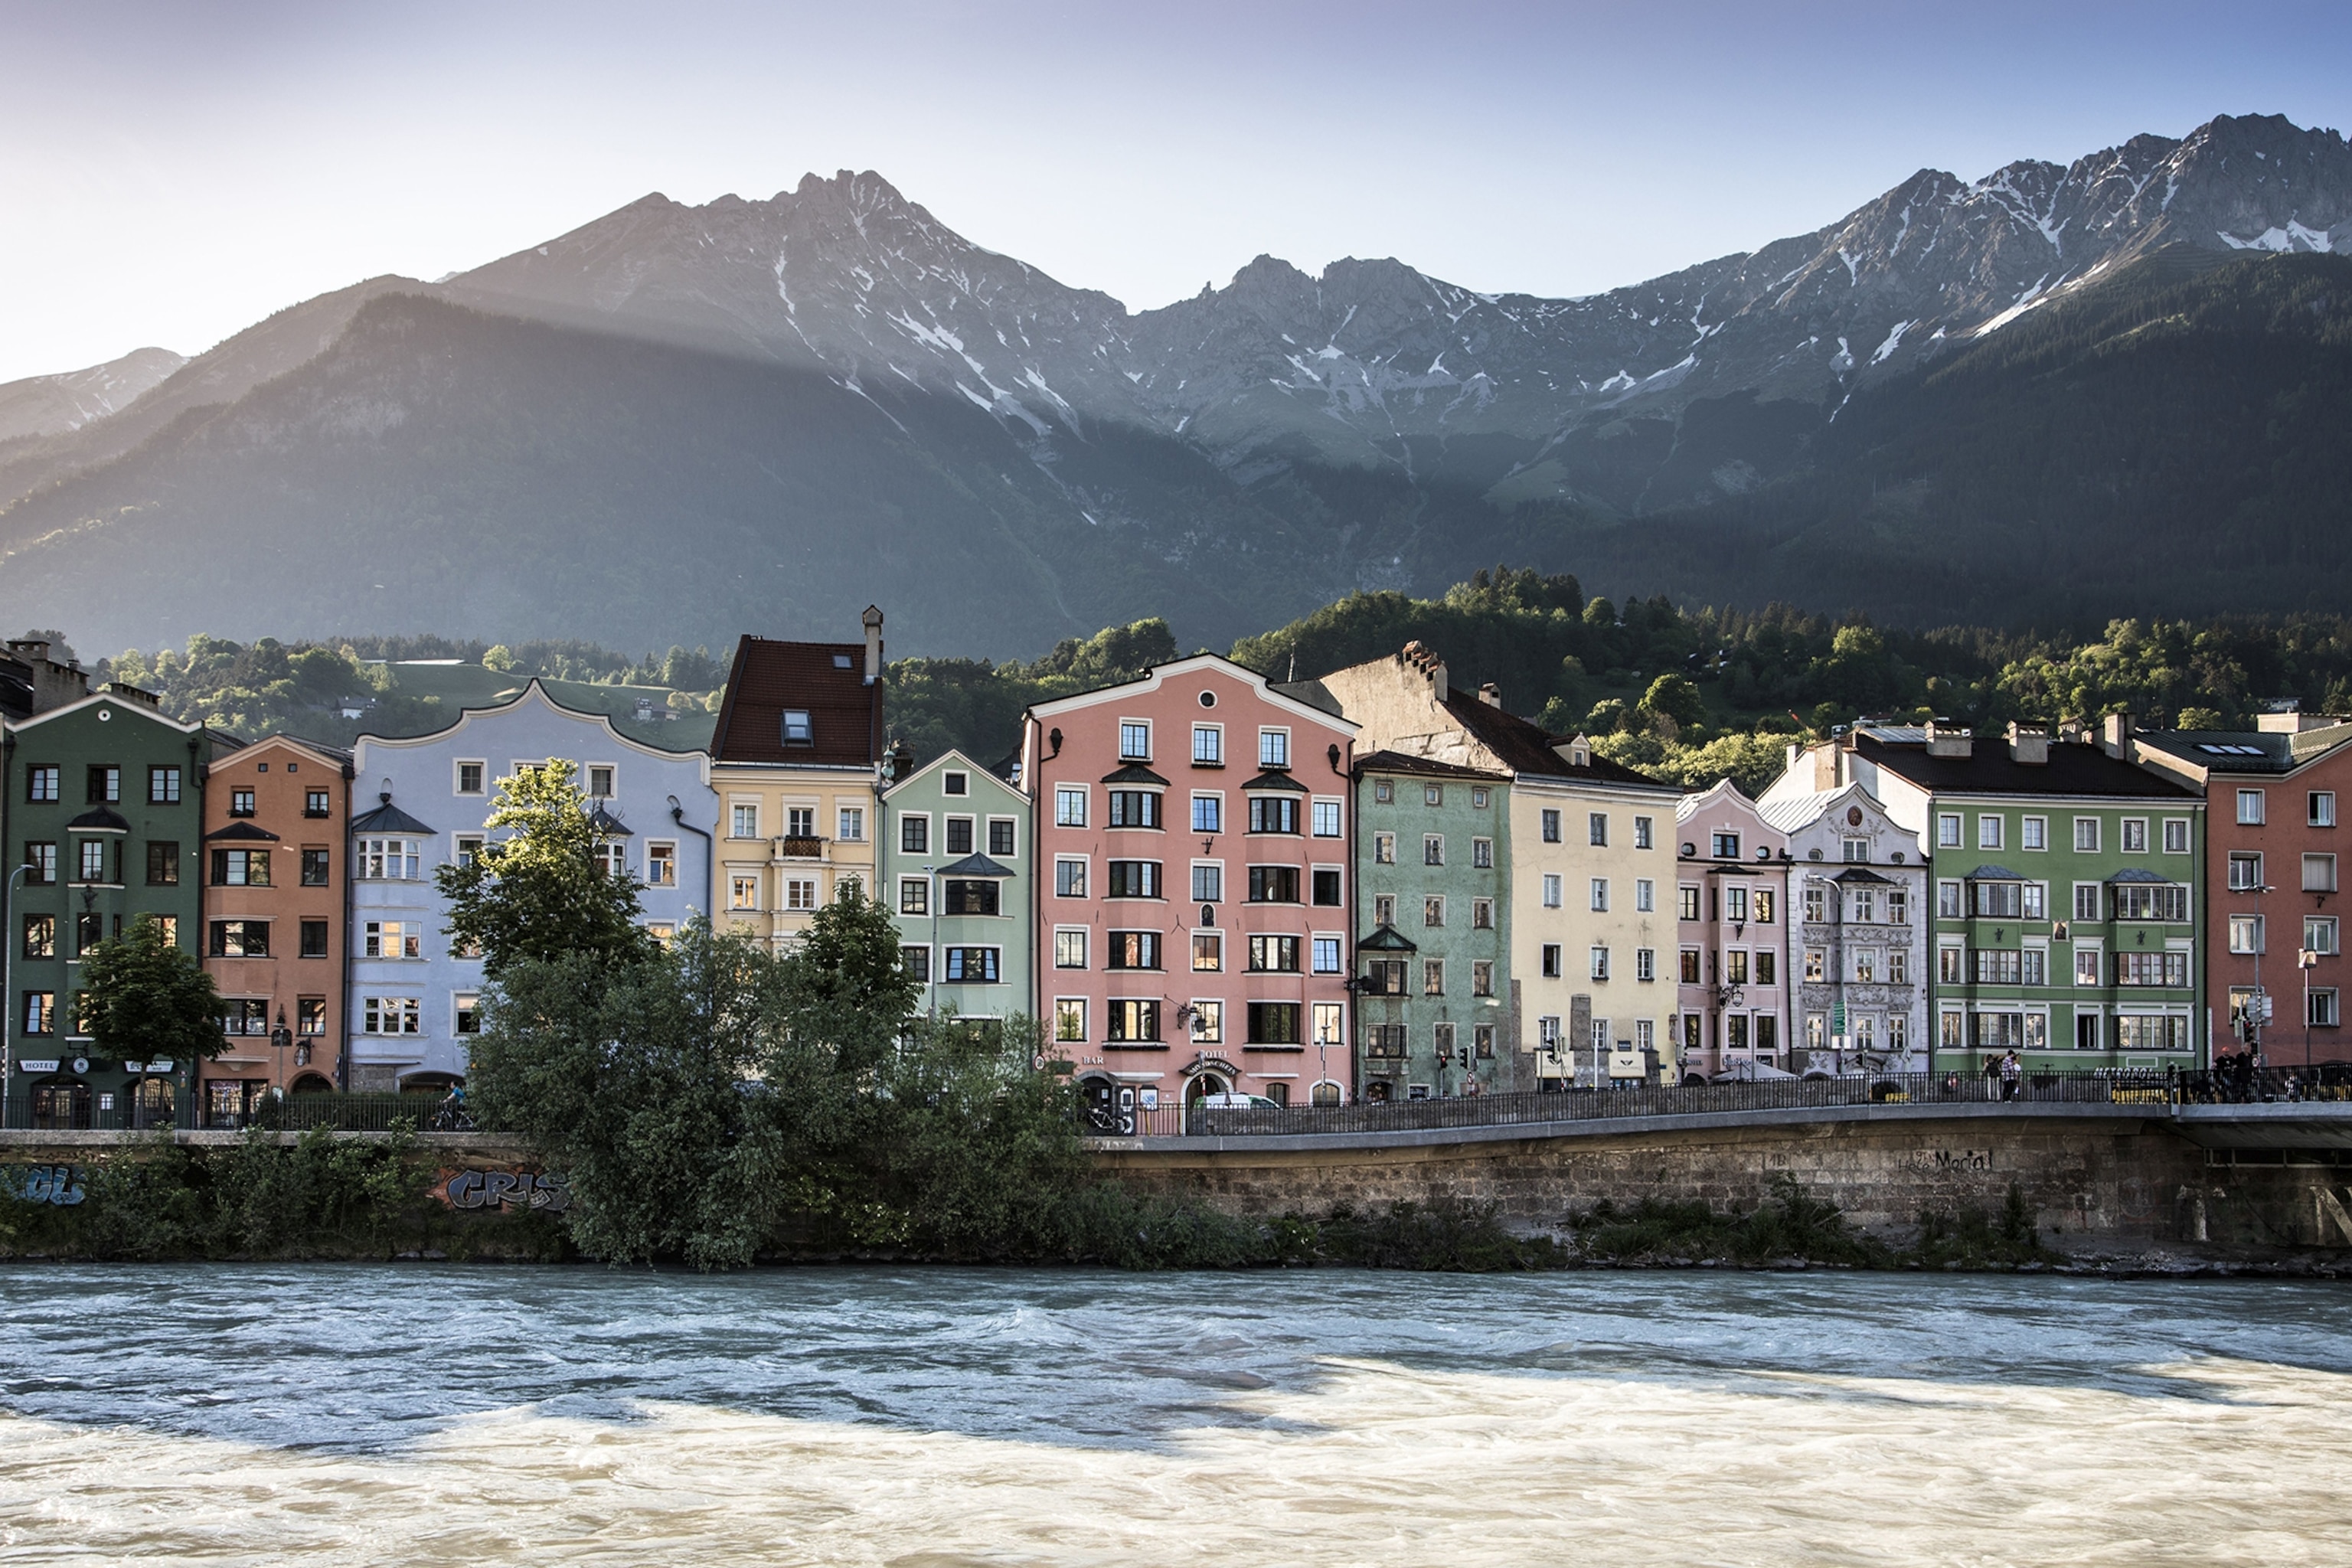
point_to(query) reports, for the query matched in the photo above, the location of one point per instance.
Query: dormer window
(1727, 846)
(955, 784)
(841, 662)
(798, 730)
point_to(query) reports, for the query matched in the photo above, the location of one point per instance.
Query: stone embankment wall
(2089, 1181)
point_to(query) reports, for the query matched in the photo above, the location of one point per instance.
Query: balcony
(801, 847)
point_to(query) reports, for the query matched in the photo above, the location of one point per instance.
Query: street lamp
(931, 969)
(2259, 1013)
(281, 1037)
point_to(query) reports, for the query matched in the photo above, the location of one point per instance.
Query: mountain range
(675, 423)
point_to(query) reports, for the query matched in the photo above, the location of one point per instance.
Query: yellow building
(1592, 869)
(796, 763)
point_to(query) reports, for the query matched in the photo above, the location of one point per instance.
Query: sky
(171, 170)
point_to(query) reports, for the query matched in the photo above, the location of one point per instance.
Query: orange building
(276, 816)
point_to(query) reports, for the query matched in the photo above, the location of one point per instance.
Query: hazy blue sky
(171, 172)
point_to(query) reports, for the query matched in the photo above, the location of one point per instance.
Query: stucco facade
(1193, 895)
(1732, 920)
(958, 869)
(413, 1003)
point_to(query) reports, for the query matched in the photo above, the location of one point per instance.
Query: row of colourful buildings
(1381, 884)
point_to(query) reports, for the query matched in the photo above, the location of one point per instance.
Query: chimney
(2115, 735)
(1825, 764)
(1491, 695)
(2029, 745)
(872, 622)
(1418, 656)
(1946, 742)
(130, 693)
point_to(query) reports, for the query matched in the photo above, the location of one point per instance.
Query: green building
(2066, 887)
(104, 822)
(955, 862)
(1437, 1012)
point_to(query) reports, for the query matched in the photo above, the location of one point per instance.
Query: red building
(1194, 840)
(2275, 944)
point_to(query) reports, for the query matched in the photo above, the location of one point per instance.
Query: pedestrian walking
(2011, 1069)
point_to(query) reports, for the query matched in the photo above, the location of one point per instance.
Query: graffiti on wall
(478, 1188)
(58, 1184)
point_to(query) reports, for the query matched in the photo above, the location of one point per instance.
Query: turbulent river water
(936, 1417)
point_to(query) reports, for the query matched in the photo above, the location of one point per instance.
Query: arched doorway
(61, 1105)
(1098, 1100)
(148, 1102)
(1376, 1091)
(1206, 1084)
(1327, 1094)
(311, 1083)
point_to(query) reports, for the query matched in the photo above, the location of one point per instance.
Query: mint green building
(1437, 1011)
(2067, 893)
(955, 864)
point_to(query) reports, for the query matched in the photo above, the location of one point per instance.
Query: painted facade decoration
(957, 867)
(1732, 919)
(796, 761)
(1859, 955)
(1194, 898)
(1435, 1012)
(274, 865)
(414, 1001)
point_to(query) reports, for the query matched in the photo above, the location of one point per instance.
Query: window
(2034, 833)
(1600, 895)
(1132, 950)
(1384, 977)
(973, 965)
(1735, 966)
(2322, 1013)
(1599, 963)
(2143, 969)
(2246, 871)
(1551, 960)
(2246, 933)
(1129, 808)
(389, 1014)
(1988, 832)
(1384, 909)
(241, 868)
(93, 861)
(849, 823)
(40, 936)
(1070, 878)
(599, 783)
(41, 782)
(391, 938)
(745, 823)
(1645, 896)
(1070, 949)
(2086, 901)
(1482, 853)
(2319, 873)
(1816, 906)
(1134, 740)
(1383, 791)
(470, 778)
(1480, 795)
(1952, 962)
(1433, 977)
(1482, 977)
(2033, 901)
(1070, 1020)
(245, 1016)
(1551, 827)
(162, 865)
(1326, 955)
(2086, 836)
(1327, 819)
(313, 937)
(2251, 810)
(2319, 933)
(1385, 848)
(1482, 914)
(1208, 746)
(1134, 1022)
(104, 783)
(1273, 813)
(1641, 833)
(1441, 1038)
(1857, 851)
(1273, 884)
(1898, 966)
(1208, 814)
(798, 730)
(1433, 850)
(1137, 879)
(2087, 966)
(743, 892)
(661, 865)
(1765, 974)
(959, 836)
(914, 833)
(1948, 830)
(239, 939)
(969, 896)
(1724, 846)
(1433, 909)
(1069, 807)
(1689, 972)
(1274, 955)
(800, 893)
(1645, 964)
(388, 859)
(466, 848)
(1735, 904)
(314, 868)
(1898, 907)
(1273, 1023)
(1273, 748)
(163, 789)
(1551, 894)
(955, 782)
(1947, 901)
(1001, 837)
(2176, 836)
(1326, 887)
(89, 930)
(2034, 969)
(1208, 884)
(916, 963)
(1596, 827)
(2321, 812)
(1996, 900)
(2151, 901)
(1432, 795)
(2135, 835)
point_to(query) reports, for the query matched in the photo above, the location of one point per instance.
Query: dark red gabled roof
(771, 677)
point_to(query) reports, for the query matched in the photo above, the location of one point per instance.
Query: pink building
(1193, 859)
(1731, 905)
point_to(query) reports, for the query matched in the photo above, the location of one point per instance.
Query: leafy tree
(1672, 698)
(145, 997)
(846, 989)
(542, 892)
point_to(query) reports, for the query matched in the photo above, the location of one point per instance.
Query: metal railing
(1195, 1120)
(362, 1113)
(2228, 1084)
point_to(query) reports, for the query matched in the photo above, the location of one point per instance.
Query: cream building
(796, 765)
(1592, 864)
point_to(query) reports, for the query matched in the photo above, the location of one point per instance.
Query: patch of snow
(1842, 361)
(1852, 277)
(1894, 341)
(2294, 237)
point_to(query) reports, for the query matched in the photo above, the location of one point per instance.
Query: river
(934, 1418)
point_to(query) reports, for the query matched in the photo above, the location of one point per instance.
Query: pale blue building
(418, 804)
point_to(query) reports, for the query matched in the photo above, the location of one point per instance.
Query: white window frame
(2253, 808)
(1948, 830)
(2126, 832)
(1067, 937)
(736, 820)
(1645, 896)
(2033, 835)
(990, 838)
(1600, 896)
(1992, 833)
(458, 767)
(661, 850)
(849, 823)
(2087, 837)
(2319, 809)
(1065, 796)
(1125, 724)
(588, 771)
(1551, 889)
(1329, 808)
(737, 884)
(1273, 746)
